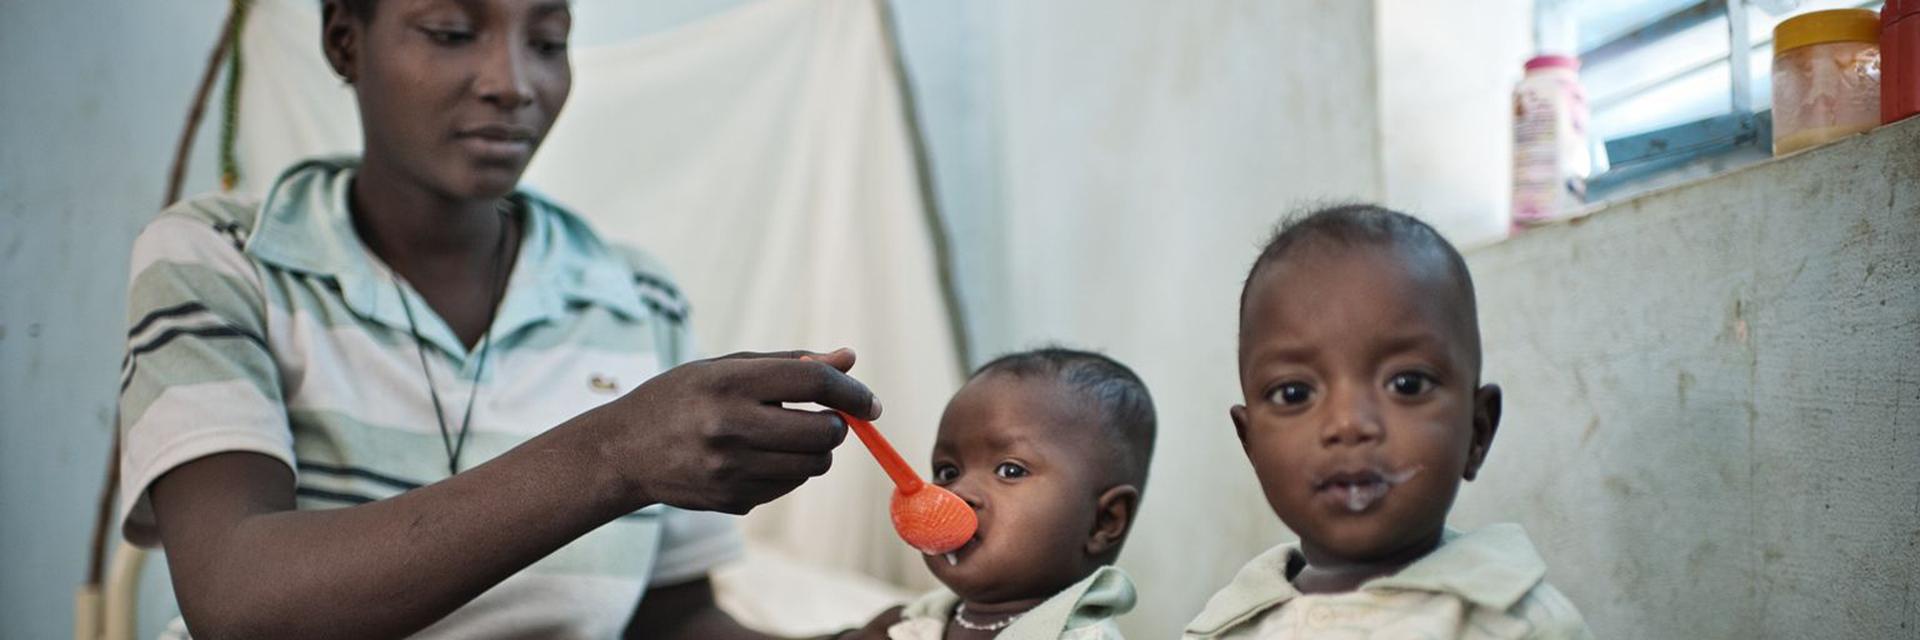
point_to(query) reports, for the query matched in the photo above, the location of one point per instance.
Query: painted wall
(89, 133)
(98, 94)
(1713, 417)
(1447, 71)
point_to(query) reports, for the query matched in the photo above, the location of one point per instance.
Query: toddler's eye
(1291, 393)
(945, 473)
(447, 36)
(1410, 384)
(1010, 471)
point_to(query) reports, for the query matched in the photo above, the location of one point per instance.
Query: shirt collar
(1261, 585)
(1103, 595)
(1492, 567)
(305, 226)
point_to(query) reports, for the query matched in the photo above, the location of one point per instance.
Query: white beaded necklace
(959, 618)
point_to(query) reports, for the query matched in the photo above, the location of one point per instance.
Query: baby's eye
(1010, 471)
(945, 473)
(1410, 383)
(1291, 393)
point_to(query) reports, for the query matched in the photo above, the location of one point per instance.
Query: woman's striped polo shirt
(268, 327)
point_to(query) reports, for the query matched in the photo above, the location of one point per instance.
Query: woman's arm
(709, 435)
(246, 564)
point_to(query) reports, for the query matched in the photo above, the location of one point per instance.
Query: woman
(398, 396)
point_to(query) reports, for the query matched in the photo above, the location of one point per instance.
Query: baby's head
(1050, 447)
(1360, 366)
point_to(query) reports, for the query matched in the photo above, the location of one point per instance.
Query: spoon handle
(902, 473)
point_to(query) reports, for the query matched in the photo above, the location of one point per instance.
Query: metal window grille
(1677, 87)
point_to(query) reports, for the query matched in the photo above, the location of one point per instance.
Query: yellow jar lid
(1820, 27)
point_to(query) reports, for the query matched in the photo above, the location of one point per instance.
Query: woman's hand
(713, 435)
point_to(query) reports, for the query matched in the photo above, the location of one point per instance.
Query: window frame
(1630, 163)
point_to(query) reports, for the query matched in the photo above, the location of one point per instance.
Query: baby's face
(1361, 414)
(1020, 451)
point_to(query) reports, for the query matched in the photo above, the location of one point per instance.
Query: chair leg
(121, 605)
(86, 613)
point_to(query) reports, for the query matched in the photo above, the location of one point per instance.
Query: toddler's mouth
(1359, 489)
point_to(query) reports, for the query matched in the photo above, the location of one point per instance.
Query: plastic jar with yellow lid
(1826, 77)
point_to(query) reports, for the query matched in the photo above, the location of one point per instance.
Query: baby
(1360, 366)
(1050, 447)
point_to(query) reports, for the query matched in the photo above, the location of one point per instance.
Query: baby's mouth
(1359, 489)
(954, 557)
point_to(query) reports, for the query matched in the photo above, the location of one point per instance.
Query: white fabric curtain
(1132, 155)
(764, 155)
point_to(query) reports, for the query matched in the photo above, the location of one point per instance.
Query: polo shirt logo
(603, 383)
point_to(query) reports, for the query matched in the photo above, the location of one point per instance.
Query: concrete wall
(1713, 411)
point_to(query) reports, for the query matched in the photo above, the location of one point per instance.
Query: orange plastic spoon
(930, 518)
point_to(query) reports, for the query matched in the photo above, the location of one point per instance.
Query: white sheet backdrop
(762, 154)
(1111, 167)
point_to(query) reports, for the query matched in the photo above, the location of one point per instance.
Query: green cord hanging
(230, 101)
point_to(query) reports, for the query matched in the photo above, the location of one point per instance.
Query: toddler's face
(1361, 412)
(1019, 450)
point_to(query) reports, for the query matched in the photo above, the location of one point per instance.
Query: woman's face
(454, 95)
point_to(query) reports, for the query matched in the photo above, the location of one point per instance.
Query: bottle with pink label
(1551, 161)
